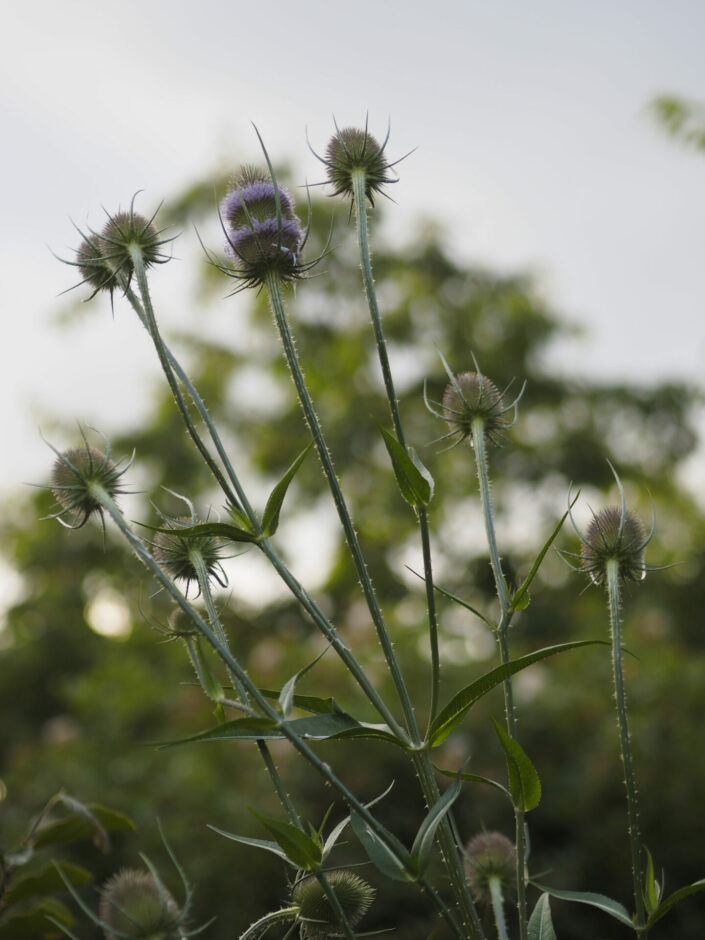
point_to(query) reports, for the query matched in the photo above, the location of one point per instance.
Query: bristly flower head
(180, 554)
(316, 916)
(614, 535)
(135, 905)
(489, 855)
(76, 476)
(352, 151)
(470, 397)
(107, 260)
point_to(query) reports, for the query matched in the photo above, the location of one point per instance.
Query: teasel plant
(265, 246)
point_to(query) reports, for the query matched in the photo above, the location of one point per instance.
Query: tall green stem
(615, 608)
(424, 769)
(273, 286)
(498, 907)
(478, 441)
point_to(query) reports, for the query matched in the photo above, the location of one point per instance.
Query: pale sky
(534, 149)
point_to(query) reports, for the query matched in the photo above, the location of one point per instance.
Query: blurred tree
(86, 709)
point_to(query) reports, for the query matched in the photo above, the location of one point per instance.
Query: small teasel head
(615, 535)
(469, 398)
(488, 856)
(135, 904)
(182, 554)
(316, 916)
(78, 476)
(353, 150)
(106, 260)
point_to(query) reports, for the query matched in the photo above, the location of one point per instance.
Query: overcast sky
(534, 148)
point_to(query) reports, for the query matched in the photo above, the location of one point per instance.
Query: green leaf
(265, 844)
(300, 848)
(459, 600)
(270, 519)
(423, 843)
(81, 825)
(34, 924)
(394, 862)
(524, 783)
(45, 881)
(208, 680)
(461, 703)
(286, 696)
(540, 922)
(308, 703)
(315, 728)
(674, 898)
(652, 889)
(521, 598)
(600, 901)
(218, 529)
(413, 479)
(476, 778)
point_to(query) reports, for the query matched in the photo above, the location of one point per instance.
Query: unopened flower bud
(134, 905)
(489, 855)
(76, 477)
(354, 150)
(316, 915)
(177, 552)
(614, 535)
(470, 397)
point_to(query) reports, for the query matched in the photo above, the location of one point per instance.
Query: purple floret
(262, 239)
(254, 192)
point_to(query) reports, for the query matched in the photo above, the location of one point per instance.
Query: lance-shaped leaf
(221, 530)
(524, 783)
(315, 728)
(413, 479)
(45, 881)
(39, 922)
(265, 844)
(286, 696)
(461, 703)
(270, 519)
(299, 848)
(674, 898)
(476, 778)
(652, 889)
(388, 855)
(423, 843)
(520, 598)
(540, 922)
(207, 678)
(600, 901)
(91, 822)
(308, 703)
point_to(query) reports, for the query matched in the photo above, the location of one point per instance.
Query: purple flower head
(262, 237)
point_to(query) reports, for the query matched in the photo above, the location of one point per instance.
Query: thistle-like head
(489, 855)
(316, 916)
(185, 556)
(106, 260)
(79, 478)
(134, 904)
(354, 150)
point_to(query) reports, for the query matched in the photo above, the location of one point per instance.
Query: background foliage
(83, 711)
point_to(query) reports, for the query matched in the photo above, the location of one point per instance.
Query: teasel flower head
(613, 535)
(263, 235)
(106, 259)
(354, 150)
(78, 476)
(469, 398)
(180, 553)
(489, 855)
(316, 916)
(135, 904)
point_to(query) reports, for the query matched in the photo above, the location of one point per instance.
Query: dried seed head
(614, 535)
(317, 918)
(76, 475)
(354, 150)
(177, 552)
(261, 238)
(470, 397)
(134, 905)
(489, 855)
